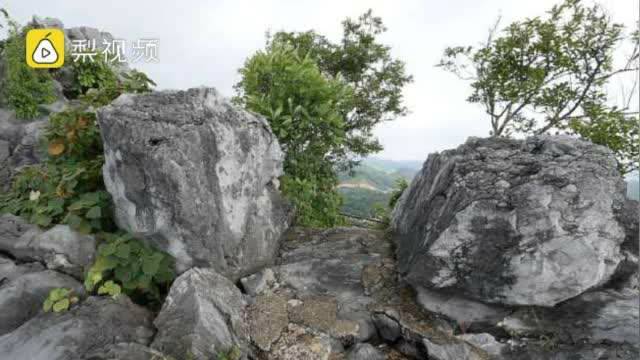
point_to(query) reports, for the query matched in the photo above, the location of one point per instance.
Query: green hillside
(370, 184)
(362, 202)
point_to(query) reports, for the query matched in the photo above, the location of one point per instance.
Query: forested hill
(370, 184)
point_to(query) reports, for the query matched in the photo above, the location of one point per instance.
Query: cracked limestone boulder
(59, 248)
(203, 316)
(22, 297)
(197, 177)
(96, 323)
(515, 222)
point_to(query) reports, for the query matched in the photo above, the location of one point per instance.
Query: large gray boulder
(21, 298)
(517, 222)
(96, 323)
(59, 248)
(195, 176)
(203, 315)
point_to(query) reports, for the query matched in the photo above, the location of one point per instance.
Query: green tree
(550, 74)
(304, 110)
(23, 89)
(368, 67)
(322, 101)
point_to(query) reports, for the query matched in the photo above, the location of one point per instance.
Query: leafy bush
(304, 110)
(24, 88)
(68, 187)
(62, 193)
(59, 300)
(322, 101)
(399, 188)
(142, 271)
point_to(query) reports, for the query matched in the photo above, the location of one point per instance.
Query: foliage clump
(59, 300)
(322, 100)
(67, 188)
(550, 74)
(143, 272)
(23, 88)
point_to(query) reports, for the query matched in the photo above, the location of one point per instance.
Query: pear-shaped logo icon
(45, 52)
(44, 48)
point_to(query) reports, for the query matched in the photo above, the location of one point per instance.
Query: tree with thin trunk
(550, 74)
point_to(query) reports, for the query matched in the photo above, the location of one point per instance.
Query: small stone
(259, 282)
(388, 327)
(365, 352)
(346, 331)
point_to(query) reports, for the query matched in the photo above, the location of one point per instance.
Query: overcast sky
(205, 42)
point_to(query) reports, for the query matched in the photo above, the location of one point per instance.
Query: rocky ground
(499, 249)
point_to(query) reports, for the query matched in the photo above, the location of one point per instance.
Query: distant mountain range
(372, 181)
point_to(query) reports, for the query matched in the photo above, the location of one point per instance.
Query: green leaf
(61, 305)
(123, 251)
(48, 304)
(110, 288)
(73, 220)
(94, 213)
(42, 220)
(151, 264)
(84, 227)
(78, 205)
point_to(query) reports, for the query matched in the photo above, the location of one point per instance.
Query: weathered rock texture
(203, 315)
(22, 298)
(19, 144)
(59, 248)
(603, 316)
(518, 222)
(93, 325)
(196, 176)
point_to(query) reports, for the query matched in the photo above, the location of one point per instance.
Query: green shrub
(399, 188)
(304, 109)
(97, 84)
(61, 193)
(24, 87)
(143, 272)
(59, 300)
